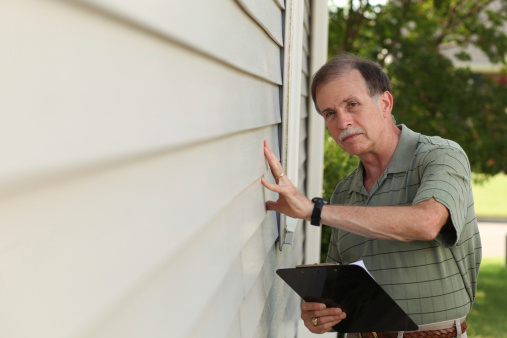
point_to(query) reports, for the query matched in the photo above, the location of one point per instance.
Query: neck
(376, 163)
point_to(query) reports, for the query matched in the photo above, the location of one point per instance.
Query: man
(407, 210)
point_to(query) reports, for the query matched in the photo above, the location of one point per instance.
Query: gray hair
(377, 81)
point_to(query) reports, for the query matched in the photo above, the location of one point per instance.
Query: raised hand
(290, 201)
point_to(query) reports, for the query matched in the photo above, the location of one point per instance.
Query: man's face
(353, 118)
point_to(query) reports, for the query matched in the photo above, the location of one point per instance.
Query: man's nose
(344, 121)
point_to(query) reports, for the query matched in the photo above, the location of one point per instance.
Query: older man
(407, 210)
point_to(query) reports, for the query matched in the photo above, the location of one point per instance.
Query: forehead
(351, 84)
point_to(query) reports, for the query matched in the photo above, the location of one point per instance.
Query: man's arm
(422, 221)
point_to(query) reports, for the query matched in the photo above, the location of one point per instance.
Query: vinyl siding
(132, 155)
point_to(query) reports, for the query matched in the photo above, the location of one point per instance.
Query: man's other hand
(319, 319)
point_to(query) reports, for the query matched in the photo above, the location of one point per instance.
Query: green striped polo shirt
(434, 280)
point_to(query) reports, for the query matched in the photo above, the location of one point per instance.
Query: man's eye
(353, 104)
(329, 113)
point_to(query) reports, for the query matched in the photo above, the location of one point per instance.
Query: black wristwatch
(317, 210)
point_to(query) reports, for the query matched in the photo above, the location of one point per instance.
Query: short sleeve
(445, 176)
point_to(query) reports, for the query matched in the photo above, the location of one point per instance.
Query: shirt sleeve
(445, 176)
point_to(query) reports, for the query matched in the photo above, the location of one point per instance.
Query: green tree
(431, 96)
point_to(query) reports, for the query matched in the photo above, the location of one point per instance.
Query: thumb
(271, 205)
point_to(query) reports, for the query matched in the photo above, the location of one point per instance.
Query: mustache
(350, 131)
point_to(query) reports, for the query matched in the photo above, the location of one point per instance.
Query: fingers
(270, 186)
(324, 324)
(274, 164)
(276, 169)
(325, 318)
(329, 312)
(271, 205)
(311, 306)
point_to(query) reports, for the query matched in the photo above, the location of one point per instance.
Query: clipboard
(350, 287)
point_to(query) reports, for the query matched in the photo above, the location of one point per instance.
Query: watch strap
(317, 210)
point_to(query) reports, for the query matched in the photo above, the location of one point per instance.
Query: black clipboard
(350, 287)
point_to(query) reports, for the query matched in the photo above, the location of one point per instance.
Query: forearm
(403, 223)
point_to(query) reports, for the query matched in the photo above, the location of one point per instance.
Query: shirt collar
(405, 149)
(357, 180)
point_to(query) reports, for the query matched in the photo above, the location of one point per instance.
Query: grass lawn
(491, 197)
(488, 317)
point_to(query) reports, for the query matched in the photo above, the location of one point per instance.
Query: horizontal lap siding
(220, 29)
(109, 92)
(132, 162)
(261, 313)
(267, 15)
(281, 309)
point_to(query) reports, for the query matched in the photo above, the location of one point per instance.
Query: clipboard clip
(316, 264)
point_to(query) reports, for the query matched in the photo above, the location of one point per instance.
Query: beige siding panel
(306, 42)
(201, 30)
(305, 65)
(304, 107)
(210, 275)
(272, 321)
(252, 306)
(306, 21)
(303, 130)
(91, 103)
(292, 315)
(280, 3)
(151, 204)
(277, 320)
(258, 268)
(304, 85)
(254, 252)
(302, 154)
(235, 329)
(219, 313)
(302, 181)
(137, 317)
(268, 15)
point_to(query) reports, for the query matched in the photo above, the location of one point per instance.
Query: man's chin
(352, 150)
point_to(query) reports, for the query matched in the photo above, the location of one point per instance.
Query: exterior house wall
(131, 143)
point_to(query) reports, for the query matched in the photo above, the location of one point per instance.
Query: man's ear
(386, 103)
